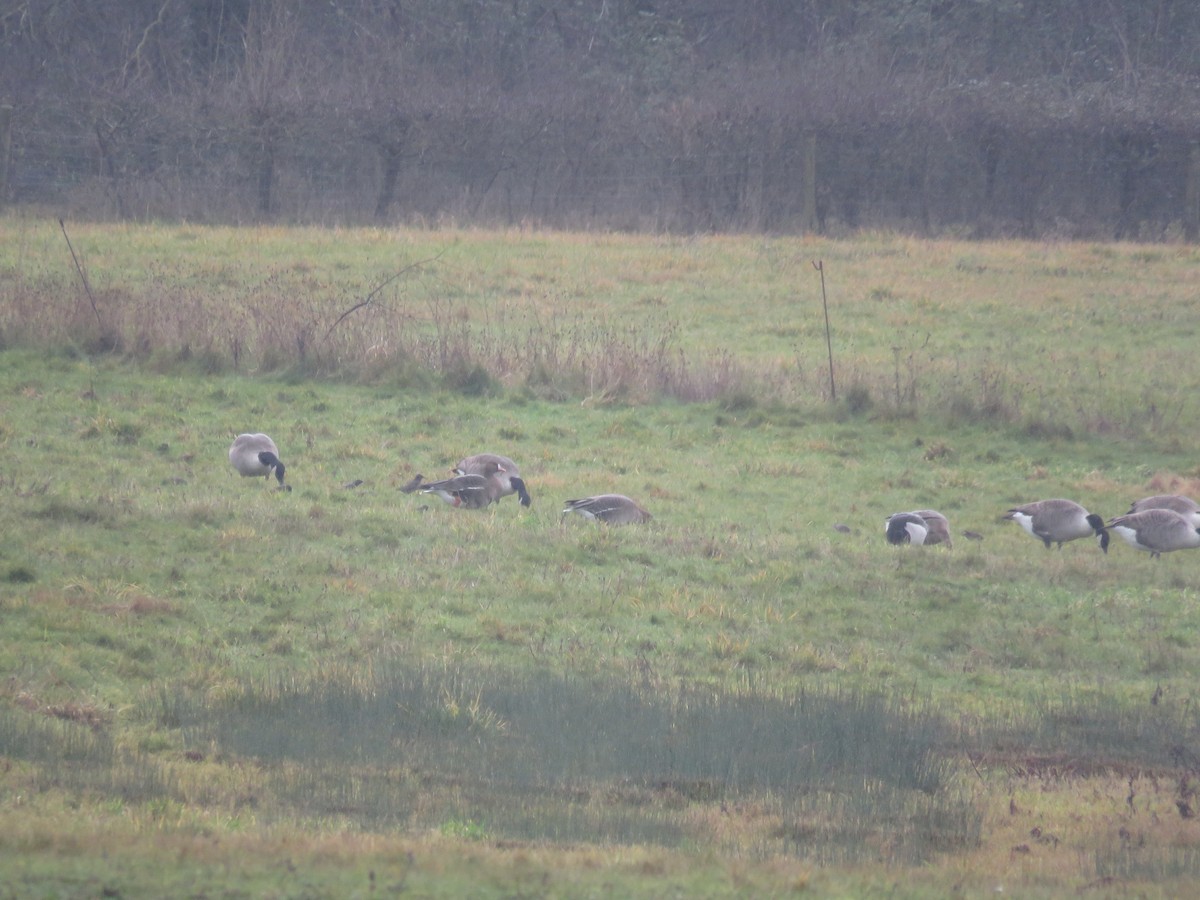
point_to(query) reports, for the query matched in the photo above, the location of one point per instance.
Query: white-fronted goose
(255, 455)
(1157, 531)
(1059, 521)
(1185, 506)
(509, 473)
(615, 509)
(474, 491)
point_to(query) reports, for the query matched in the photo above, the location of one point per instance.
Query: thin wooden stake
(820, 267)
(82, 277)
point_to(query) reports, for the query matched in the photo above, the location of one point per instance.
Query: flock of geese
(478, 481)
(1157, 525)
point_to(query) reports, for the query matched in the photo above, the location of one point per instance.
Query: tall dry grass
(1035, 335)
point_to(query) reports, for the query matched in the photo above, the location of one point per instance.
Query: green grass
(168, 624)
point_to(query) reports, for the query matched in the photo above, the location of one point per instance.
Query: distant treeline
(970, 117)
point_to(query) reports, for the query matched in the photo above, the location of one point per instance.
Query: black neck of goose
(522, 493)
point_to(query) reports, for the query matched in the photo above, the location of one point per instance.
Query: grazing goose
(510, 474)
(1157, 531)
(939, 527)
(1059, 521)
(255, 455)
(615, 509)
(906, 528)
(473, 491)
(1185, 506)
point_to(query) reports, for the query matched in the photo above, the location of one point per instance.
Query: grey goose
(1157, 531)
(1185, 506)
(473, 491)
(615, 509)
(1059, 521)
(256, 456)
(508, 472)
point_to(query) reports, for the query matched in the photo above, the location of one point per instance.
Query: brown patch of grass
(1173, 483)
(81, 713)
(139, 605)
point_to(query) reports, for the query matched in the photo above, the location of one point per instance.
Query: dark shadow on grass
(560, 758)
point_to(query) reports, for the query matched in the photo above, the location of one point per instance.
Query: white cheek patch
(916, 534)
(1025, 521)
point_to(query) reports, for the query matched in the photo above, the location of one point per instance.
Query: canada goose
(921, 526)
(939, 527)
(1059, 521)
(1185, 506)
(509, 475)
(906, 528)
(1157, 531)
(256, 455)
(473, 491)
(615, 509)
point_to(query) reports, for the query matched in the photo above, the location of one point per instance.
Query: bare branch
(366, 301)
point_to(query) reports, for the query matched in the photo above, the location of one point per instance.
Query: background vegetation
(941, 117)
(346, 688)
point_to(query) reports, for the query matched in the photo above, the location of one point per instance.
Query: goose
(1157, 531)
(510, 474)
(938, 525)
(1059, 521)
(255, 455)
(472, 491)
(921, 526)
(615, 509)
(906, 528)
(1185, 506)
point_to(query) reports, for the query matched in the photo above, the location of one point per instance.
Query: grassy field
(210, 686)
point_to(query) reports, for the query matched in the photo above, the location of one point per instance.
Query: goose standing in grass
(615, 509)
(255, 455)
(1185, 506)
(509, 473)
(921, 526)
(473, 491)
(1059, 521)
(1157, 531)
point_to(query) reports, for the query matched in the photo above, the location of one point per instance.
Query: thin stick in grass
(820, 267)
(82, 276)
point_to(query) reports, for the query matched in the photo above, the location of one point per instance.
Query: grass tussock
(556, 356)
